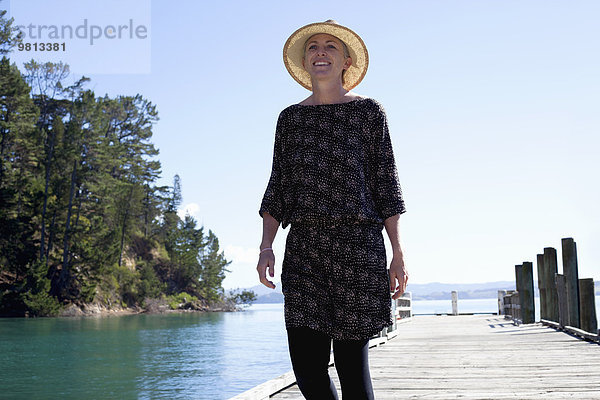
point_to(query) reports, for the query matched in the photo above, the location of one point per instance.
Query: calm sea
(176, 356)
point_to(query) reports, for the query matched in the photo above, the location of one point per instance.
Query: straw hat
(293, 51)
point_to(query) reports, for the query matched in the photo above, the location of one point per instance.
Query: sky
(492, 107)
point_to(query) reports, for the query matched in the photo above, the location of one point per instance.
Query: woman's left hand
(398, 274)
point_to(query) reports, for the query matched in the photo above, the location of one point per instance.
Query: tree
(80, 212)
(246, 297)
(9, 35)
(19, 181)
(128, 154)
(170, 220)
(190, 244)
(47, 88)
(77, 140)
(176, 198)
(213, 269)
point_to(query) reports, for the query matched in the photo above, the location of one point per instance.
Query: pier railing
(509, 305)
(566, 302)
(401, 312)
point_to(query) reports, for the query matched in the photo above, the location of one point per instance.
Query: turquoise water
(175, 356)
(464, 306)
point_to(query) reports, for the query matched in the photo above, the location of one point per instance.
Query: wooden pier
(479, 357)
(488, 356)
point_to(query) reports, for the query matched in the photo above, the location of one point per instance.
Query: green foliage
(127, 284)
(81, 216)
(149, 286)
(214, 266)
(181, 298)
(19, 173)
(246, 297)
(9, 36)
(41, 304)
(37, 298)
(109, 288)
(88, 291)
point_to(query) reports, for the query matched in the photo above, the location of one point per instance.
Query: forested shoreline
(82, 218)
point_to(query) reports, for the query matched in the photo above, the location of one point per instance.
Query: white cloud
(240, 254)
(243, 267)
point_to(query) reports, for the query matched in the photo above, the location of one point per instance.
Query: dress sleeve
(386, 188)
(272, 201)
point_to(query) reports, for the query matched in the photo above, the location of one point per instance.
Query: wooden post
(519, 287)
(454, 302)
(569, 257)
(561, 291)
(587, 306)
(550, 270)
(394, 319)
(518, 269)
(501, 294)
(541, 285)
(507, 304)
(516, 307)
(526, 293)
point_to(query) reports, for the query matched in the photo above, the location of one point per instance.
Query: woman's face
(324, 57)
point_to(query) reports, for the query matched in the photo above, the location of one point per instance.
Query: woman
(334, 180)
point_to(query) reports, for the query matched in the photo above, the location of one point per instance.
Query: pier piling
(526, 293)
(550, 271)
(561, 291)
(589, 322)
(454, 302)
(570, 271)
(541, 285)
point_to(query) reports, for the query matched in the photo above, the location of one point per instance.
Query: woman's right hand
(266, 260)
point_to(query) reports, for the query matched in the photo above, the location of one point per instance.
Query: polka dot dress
(335, 181)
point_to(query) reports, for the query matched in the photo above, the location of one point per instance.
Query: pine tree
(9, 35)
(190, 245)
(19, 183)
(46, 82)
(78, 198)
(214, 267)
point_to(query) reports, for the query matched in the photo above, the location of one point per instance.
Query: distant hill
(266, 295)
(442, 291)
(420, 291)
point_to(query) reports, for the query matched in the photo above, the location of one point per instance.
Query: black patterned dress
(335, 181)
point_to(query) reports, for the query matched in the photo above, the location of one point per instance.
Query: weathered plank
(480, 357)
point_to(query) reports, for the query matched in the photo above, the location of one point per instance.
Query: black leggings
(309, 351)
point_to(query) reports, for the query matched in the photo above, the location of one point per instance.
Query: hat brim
(293, 52)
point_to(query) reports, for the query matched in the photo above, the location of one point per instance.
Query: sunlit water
(175, 356)
(471, 306)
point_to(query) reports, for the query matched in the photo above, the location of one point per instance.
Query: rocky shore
(151, 306)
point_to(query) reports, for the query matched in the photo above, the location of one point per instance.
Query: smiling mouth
(320, 63)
